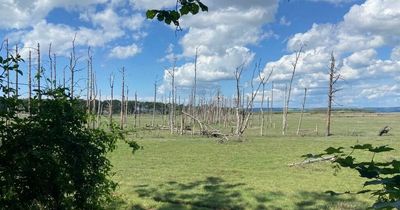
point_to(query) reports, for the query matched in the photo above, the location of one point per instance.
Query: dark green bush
(51, 159)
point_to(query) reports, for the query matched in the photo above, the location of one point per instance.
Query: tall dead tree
(262, 109)
(8, 70)
(110, 105)
(88, 81)
(39, 72)
(16, 73)
(73, 60)
(154, 104)
(122, 121)
(286, 108)
(334, 76)
(55, 69)
(271, 107)
(171, 73)
(51, 67)
(242, 119)
(29, 80)
(238, 75)
(302, 112)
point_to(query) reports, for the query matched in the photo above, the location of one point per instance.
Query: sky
(363, 35)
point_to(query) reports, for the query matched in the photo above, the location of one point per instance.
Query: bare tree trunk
(285, 120)
(39, 73)
(55, 70)
(8, 70)
(72, 66)
(334, 76)
(16, 73)
(136, 109)
(271, 107)
(98, 110)
(238, 74)
(51, 67)
(172, 111)
(284, 110)
(122, 99)
(262, 110)
(88, 83)
(110, 111)
(29, 81)
(302, 111)
(154, 104)
(126, 104)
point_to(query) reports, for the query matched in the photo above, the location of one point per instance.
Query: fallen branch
(208, 132)
(313, 160)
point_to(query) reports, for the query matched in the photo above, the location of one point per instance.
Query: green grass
(186, 172)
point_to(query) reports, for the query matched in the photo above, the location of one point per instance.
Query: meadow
(195, 172)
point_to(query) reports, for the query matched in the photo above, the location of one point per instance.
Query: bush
(51, 159)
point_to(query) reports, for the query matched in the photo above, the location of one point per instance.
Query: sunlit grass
(189, 172)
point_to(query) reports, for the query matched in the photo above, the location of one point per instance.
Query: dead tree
(8, 70)
(39, 73)
(16, 73)
(55, 69)
(286, 108)
(29, 80)
(88, 81)
(302, 112)
(334, 76)
(262, 109)
(238, 75)
(110, 106)
(51, 67)
(243, 120)
(172, 110)
(73, 60)
(154, 104)
(271, 107)
(122, 99)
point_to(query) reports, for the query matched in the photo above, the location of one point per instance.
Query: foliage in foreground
(385, 175)
(50, 159)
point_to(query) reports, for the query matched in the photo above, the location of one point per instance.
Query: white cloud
(18, 14)
(122, 52)
(222, 36)
(283, 21)
(355, 42)
(153, 4)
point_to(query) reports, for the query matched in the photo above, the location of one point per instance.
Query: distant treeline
(133, 106)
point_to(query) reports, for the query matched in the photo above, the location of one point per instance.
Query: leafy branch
(183, 7)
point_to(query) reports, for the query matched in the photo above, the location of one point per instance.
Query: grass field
(191, 172)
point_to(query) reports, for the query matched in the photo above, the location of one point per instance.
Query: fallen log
(208, 130)
(313, 160)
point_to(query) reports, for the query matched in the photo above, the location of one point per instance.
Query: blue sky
(364, 36)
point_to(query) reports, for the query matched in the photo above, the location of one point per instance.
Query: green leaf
(160, 17)
(150, 14)
(184, 9)
(194, 9)
(175, 15)
(167, 20)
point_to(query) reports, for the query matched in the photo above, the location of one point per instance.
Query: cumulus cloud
(106, 24)
(222, 36)
(123, 52)
(355, 42)
(24, 13)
